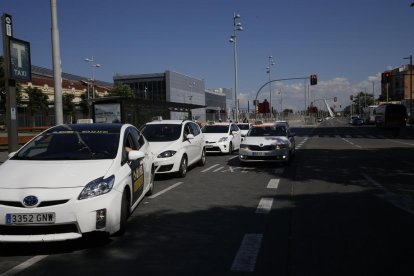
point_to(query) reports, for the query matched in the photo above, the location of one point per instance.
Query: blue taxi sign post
(20, 65)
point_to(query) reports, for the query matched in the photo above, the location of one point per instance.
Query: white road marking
(19, 268)
(246, 257)
(265, 205)
(402, 201)
(166, 190)
(273, 183)
(220, 168)
(209, 168)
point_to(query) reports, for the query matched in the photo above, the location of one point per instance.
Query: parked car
(74, 179)
(357, 121)
(244, 128)
(273, 142)
(176, 145)
(222, 137)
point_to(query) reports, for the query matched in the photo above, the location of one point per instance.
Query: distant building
(170, 87)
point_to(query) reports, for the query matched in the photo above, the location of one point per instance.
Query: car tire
(151, 188)
(124, 213)
(183, 167)
(202, 161)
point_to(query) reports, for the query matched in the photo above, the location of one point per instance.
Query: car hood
(214, 137)
(158, 147)
(22, 174)
(273, 140)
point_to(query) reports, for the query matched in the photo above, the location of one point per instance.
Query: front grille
(42, 204)
(213, 149)
(264, 148)
(38, 229)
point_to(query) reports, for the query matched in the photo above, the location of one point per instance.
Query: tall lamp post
(268, 70)
(233, 39)
(94, 66)
(411, 86)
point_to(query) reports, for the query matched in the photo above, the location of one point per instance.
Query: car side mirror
(190, 136)
(135, 155)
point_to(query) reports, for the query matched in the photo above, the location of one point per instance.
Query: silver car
(268, 142)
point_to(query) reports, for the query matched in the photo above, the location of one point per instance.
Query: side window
(195, 129)
(187, 129)
(130, 143)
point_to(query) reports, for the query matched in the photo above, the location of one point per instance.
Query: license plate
(259, 153)
(34, 218)
(209, 146)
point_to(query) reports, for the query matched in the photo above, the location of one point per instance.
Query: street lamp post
(233, 39)
(411, 87)
(94, 66)
(268, 68)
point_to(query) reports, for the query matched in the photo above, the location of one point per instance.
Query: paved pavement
(3, 156)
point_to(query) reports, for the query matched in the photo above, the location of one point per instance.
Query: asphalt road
(343, 207)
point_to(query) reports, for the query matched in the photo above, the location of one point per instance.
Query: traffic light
(386, 77)
(351, 97)
(335, 99)
(313, 80)
(257, 108)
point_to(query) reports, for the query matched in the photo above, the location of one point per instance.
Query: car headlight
(97, 187)
(166, 154)
(223, 139)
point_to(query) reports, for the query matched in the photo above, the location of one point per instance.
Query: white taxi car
(222, 137)
(74, 179)
(176, 145)
(268, 142)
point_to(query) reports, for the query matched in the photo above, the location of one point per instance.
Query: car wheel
(230, 148)
(183, 167)
(124, 213)
(202, 161)
(151, 182)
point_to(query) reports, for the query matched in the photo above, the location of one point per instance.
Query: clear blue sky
(346, 43)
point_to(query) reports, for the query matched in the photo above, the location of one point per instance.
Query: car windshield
(71, 145)
(162, 132)
(215, 129)
(267, 131)
(243, 126)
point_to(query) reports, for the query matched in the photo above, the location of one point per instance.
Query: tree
(83, 104)
(362, 100)
(38, 101)
(68, 105)
(122, 90)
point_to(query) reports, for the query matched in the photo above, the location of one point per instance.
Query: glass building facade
(169, 86)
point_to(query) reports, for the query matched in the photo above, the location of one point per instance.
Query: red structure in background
(264, 107)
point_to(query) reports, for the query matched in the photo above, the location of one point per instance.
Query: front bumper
(220, 147)
(277, 155)
(167, 165)
(73, 218)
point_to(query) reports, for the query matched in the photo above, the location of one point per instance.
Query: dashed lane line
(265, 205)
(273, 183)
(246, 256)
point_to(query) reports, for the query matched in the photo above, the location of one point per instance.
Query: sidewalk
(3, 156)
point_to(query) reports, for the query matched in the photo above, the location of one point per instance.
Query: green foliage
(38, 101)
(83, 104)
(68, 105)
(122, 90)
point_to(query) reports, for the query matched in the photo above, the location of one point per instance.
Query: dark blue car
(358, 121)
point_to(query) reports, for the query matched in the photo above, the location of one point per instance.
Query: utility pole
(57, 70)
